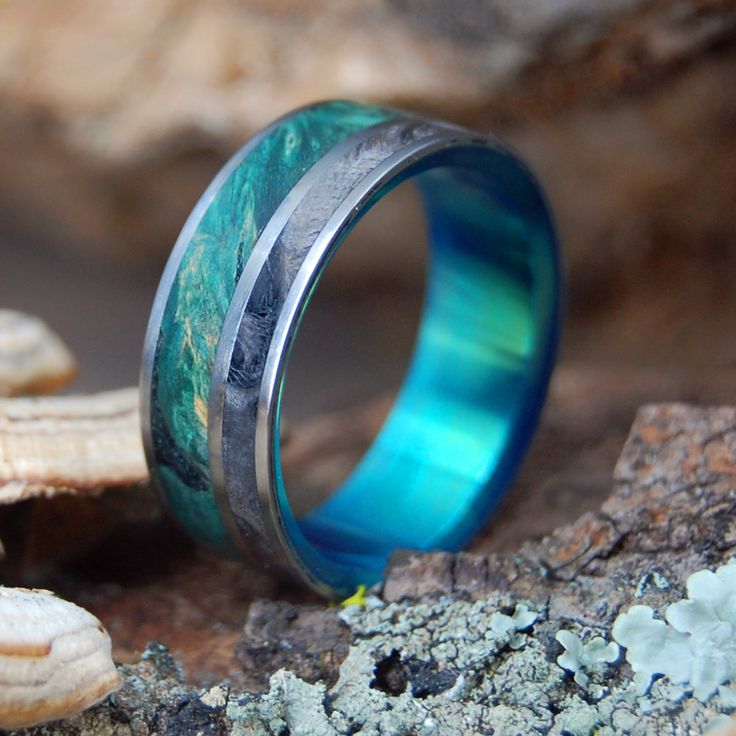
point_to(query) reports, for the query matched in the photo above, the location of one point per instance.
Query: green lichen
(462, 674)
(579, 656)
(521, 620)
(695, 646)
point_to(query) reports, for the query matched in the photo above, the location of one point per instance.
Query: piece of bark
(433, 658)
(310, 640)
(69, 444)
(33, 360)
(672, 512)
(587, 569)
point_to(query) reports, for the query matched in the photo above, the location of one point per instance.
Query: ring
(229, 304)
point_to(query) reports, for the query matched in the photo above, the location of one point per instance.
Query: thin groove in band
(185, 351)
(231, 326)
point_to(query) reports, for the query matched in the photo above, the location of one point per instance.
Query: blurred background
(115, 116)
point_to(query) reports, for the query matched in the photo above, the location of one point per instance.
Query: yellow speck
(200, 409)
(188, 340)
(356, 599)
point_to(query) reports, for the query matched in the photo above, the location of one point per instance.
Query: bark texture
(467, 643)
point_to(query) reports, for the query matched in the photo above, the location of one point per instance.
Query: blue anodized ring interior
(228, 310)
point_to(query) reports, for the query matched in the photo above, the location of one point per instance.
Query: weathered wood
(33, 360)
(69, 444)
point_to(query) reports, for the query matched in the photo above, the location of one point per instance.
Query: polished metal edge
(266, 539)
(163, 291)
(322, 248)
(248, 531)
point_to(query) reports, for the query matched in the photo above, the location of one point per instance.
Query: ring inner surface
(470, 400)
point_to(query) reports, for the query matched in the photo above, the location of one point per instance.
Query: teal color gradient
(465, 414)
(471, 399)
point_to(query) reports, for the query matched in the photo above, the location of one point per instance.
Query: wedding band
(229, 304)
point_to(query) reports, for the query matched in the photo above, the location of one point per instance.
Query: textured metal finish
(473, 392)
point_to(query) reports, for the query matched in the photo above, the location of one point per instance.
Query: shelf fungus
(33, 360)
(55, 659)
(69, 444)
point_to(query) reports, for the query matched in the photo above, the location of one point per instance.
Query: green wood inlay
(202, 290)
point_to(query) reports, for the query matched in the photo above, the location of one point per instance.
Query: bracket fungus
(33, 360)
(55, 658)
(71, 444)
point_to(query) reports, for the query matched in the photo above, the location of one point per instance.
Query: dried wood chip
(33, 360)
(69, 444)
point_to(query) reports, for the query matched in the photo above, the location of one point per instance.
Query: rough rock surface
(466, 643)
(309, 640)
